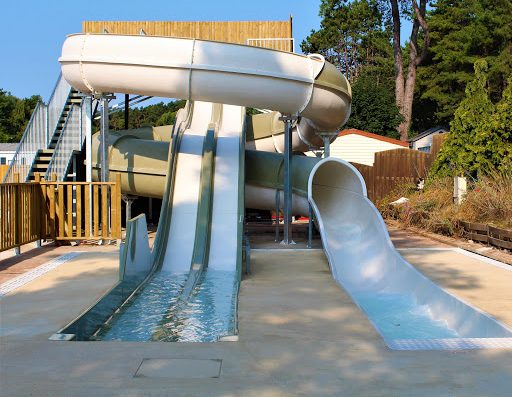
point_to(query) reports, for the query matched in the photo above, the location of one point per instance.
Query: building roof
(430, 131)
(353, 131)
(8, 147)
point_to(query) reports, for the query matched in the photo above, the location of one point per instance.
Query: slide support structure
(104, 98)
(327, 137)
(310, 226)
(287, 183)
(278, 198)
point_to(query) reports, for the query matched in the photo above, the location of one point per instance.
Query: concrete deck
(300, 335)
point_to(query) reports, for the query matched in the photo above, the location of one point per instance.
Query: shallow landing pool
(398, 316)
(157, 314)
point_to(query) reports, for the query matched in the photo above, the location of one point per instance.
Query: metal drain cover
(179, 368)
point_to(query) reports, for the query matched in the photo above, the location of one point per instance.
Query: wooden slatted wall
(229, 32)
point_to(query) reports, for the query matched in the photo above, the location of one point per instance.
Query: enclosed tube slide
(200, 70)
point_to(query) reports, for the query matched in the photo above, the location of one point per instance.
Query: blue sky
(32, 31)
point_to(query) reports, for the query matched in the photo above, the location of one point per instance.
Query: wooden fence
(397, 166)
(3, 170)
(230, 32)
(59, 211)
(483, 233)
(20, 214)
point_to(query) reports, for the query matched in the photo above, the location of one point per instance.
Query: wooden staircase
(44, 156)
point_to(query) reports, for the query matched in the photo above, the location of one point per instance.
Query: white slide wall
(225, 218)
(364, 261)
(180, 244)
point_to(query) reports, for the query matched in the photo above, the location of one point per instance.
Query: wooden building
(268, 34)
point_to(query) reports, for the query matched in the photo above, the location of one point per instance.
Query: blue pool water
(210, 312)
(398, 316)
(157, 313)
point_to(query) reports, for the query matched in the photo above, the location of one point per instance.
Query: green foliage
(480, 139)
(352, 35)
(373, 105)
(461, 32)
(14, 115)
(149, 116)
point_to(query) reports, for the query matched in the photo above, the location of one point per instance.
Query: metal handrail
(56, 104)
(34, 138)
(70, 140)
(44, 119)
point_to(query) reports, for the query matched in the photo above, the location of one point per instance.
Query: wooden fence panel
(75, 220)
(21, 214)
(58, 210)
(230, 32)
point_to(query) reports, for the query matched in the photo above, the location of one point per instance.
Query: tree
(480, 139)
(461, 32)
(352, 36)
(152, 115)
(373, 105)
(405, 82)
(14, 115)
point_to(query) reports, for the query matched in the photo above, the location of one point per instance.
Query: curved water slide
(201, 219)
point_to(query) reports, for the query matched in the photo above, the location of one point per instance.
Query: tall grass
(488, 200)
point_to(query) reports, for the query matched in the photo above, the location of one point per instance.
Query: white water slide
(408, 309)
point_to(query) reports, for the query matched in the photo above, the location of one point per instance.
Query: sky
(32, 31)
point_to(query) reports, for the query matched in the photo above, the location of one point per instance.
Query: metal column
(310, 226)
(287, 183)
(104, 137)
(326, 137)
(128, 200)
(126, 110)
(278, 198)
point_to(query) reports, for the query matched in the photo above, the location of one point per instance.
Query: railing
(56, 104)
(82, 210)
(282, 44)
(34, 138)
(20, 214)
(59, 211)
(71, 139)
(39, 130)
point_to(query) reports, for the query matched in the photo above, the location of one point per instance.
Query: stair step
(46, 151)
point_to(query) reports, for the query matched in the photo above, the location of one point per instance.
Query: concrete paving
(300, 335)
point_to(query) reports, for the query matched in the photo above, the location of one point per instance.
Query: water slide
(198, 241)
(407, 309)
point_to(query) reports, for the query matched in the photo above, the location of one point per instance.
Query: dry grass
(488, 200)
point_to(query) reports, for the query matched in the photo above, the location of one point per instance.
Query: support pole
(128, 200)
(104, 139)
(310, 226)
(126, 110)
(287, 183)
(326, 138)
(278, 210)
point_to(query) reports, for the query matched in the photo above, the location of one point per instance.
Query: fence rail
(20, 214)
(492, 235)
(59, 211)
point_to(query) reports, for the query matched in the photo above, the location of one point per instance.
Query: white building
(360, 146)
(7, 151)
(423, 141)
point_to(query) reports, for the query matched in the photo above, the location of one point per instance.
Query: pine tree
(480, 140)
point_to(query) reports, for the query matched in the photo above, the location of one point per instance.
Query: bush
(488, 200)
